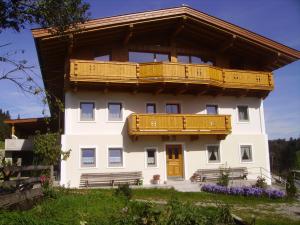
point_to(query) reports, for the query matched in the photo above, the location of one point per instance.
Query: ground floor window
(88, 157)
(151, 157)
(246, 153)
(115, 157)
(213, 153)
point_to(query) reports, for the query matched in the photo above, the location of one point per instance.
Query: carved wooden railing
(126, 72)
(178, 124)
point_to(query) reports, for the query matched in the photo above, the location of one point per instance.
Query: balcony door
(174, 161)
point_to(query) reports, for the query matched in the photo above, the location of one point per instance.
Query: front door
(174, 161)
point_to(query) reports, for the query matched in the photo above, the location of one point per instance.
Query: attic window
(141, 57)
(104, 58)
(192, 59)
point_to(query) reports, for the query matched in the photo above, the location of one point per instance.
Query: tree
(61, 15)
(4, 128)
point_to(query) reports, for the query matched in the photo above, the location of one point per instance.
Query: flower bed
(243, 191)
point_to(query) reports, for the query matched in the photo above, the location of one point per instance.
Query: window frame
(123, 158)
(80, 157)
(94, 111)
(146, 157)
(218, 111)
(207, 156)
(151, 103)
(122, 112)
(238, 117)
(240, 153)
(173, 103)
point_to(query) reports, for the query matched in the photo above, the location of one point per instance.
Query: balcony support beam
(128, 35)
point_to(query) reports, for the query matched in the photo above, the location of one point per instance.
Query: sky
(276, 19)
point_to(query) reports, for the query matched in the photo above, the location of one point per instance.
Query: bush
(124, 191)
(291, 189)
(243, 191)
(261, 182)
(223, 179)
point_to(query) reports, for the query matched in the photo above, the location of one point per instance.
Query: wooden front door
(174, 161)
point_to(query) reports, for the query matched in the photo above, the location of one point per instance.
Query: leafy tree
(4, 128)
(61, 15)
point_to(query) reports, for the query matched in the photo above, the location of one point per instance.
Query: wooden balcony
(178, 124)
(171, 77)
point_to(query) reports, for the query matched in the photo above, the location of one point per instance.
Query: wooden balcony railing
(178, 124)
(167, 72)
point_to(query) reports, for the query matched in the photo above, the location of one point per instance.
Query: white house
(164, 92)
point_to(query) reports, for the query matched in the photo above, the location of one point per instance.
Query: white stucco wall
(102, 134)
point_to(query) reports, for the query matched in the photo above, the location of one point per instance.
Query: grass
(1, 145)
(98, 205)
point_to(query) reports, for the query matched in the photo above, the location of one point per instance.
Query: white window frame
(146, 157)
(218, 110)
(123, 158)
(240, 153)
(174, 103)
(207, 157)
(96, 156)
(154, 103)
(79, 111)
(237, 114)
(107, 112)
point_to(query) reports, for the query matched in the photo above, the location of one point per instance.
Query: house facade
(163, 92)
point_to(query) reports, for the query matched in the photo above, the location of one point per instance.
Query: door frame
(184, 166)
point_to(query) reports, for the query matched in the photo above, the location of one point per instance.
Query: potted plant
(156, 178)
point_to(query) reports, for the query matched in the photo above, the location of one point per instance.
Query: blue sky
(275, 19)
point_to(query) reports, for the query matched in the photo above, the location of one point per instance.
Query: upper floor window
(246, 153)
(115, 111)
(212, 109)
(192, 59)
(88, 157)
(150, 108)
(102, 58)
(213, 153)
(173, 108)
(243, 113)
(141, 57)
(87, 111)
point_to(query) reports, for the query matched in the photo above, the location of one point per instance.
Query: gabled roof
(184, 11)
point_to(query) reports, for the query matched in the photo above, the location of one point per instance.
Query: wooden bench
(100, 179)
(202, 175)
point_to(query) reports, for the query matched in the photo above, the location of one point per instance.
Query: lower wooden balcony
(178, 124)
(169, 77)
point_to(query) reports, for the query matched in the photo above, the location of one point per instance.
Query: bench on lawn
(202, 175)
(99, 179)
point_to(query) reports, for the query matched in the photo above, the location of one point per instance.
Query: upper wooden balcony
(178, 124)
(172, 77)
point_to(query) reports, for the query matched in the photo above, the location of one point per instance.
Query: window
(173, 108)
(246, 153)
(213, 153)
(104, 58)
(141, 57)
(87, 111)
(151, 157)
(88, 157)
(115, 111)
(115, 157)
(150, 108)
(212, 109)
(243, 113)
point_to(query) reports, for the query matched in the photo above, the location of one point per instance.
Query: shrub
(261, 182)
(223, 179)
(124, 191)
(243, 191)
(291, 189)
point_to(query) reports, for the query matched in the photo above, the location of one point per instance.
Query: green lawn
(1, 145)
(98, 206)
